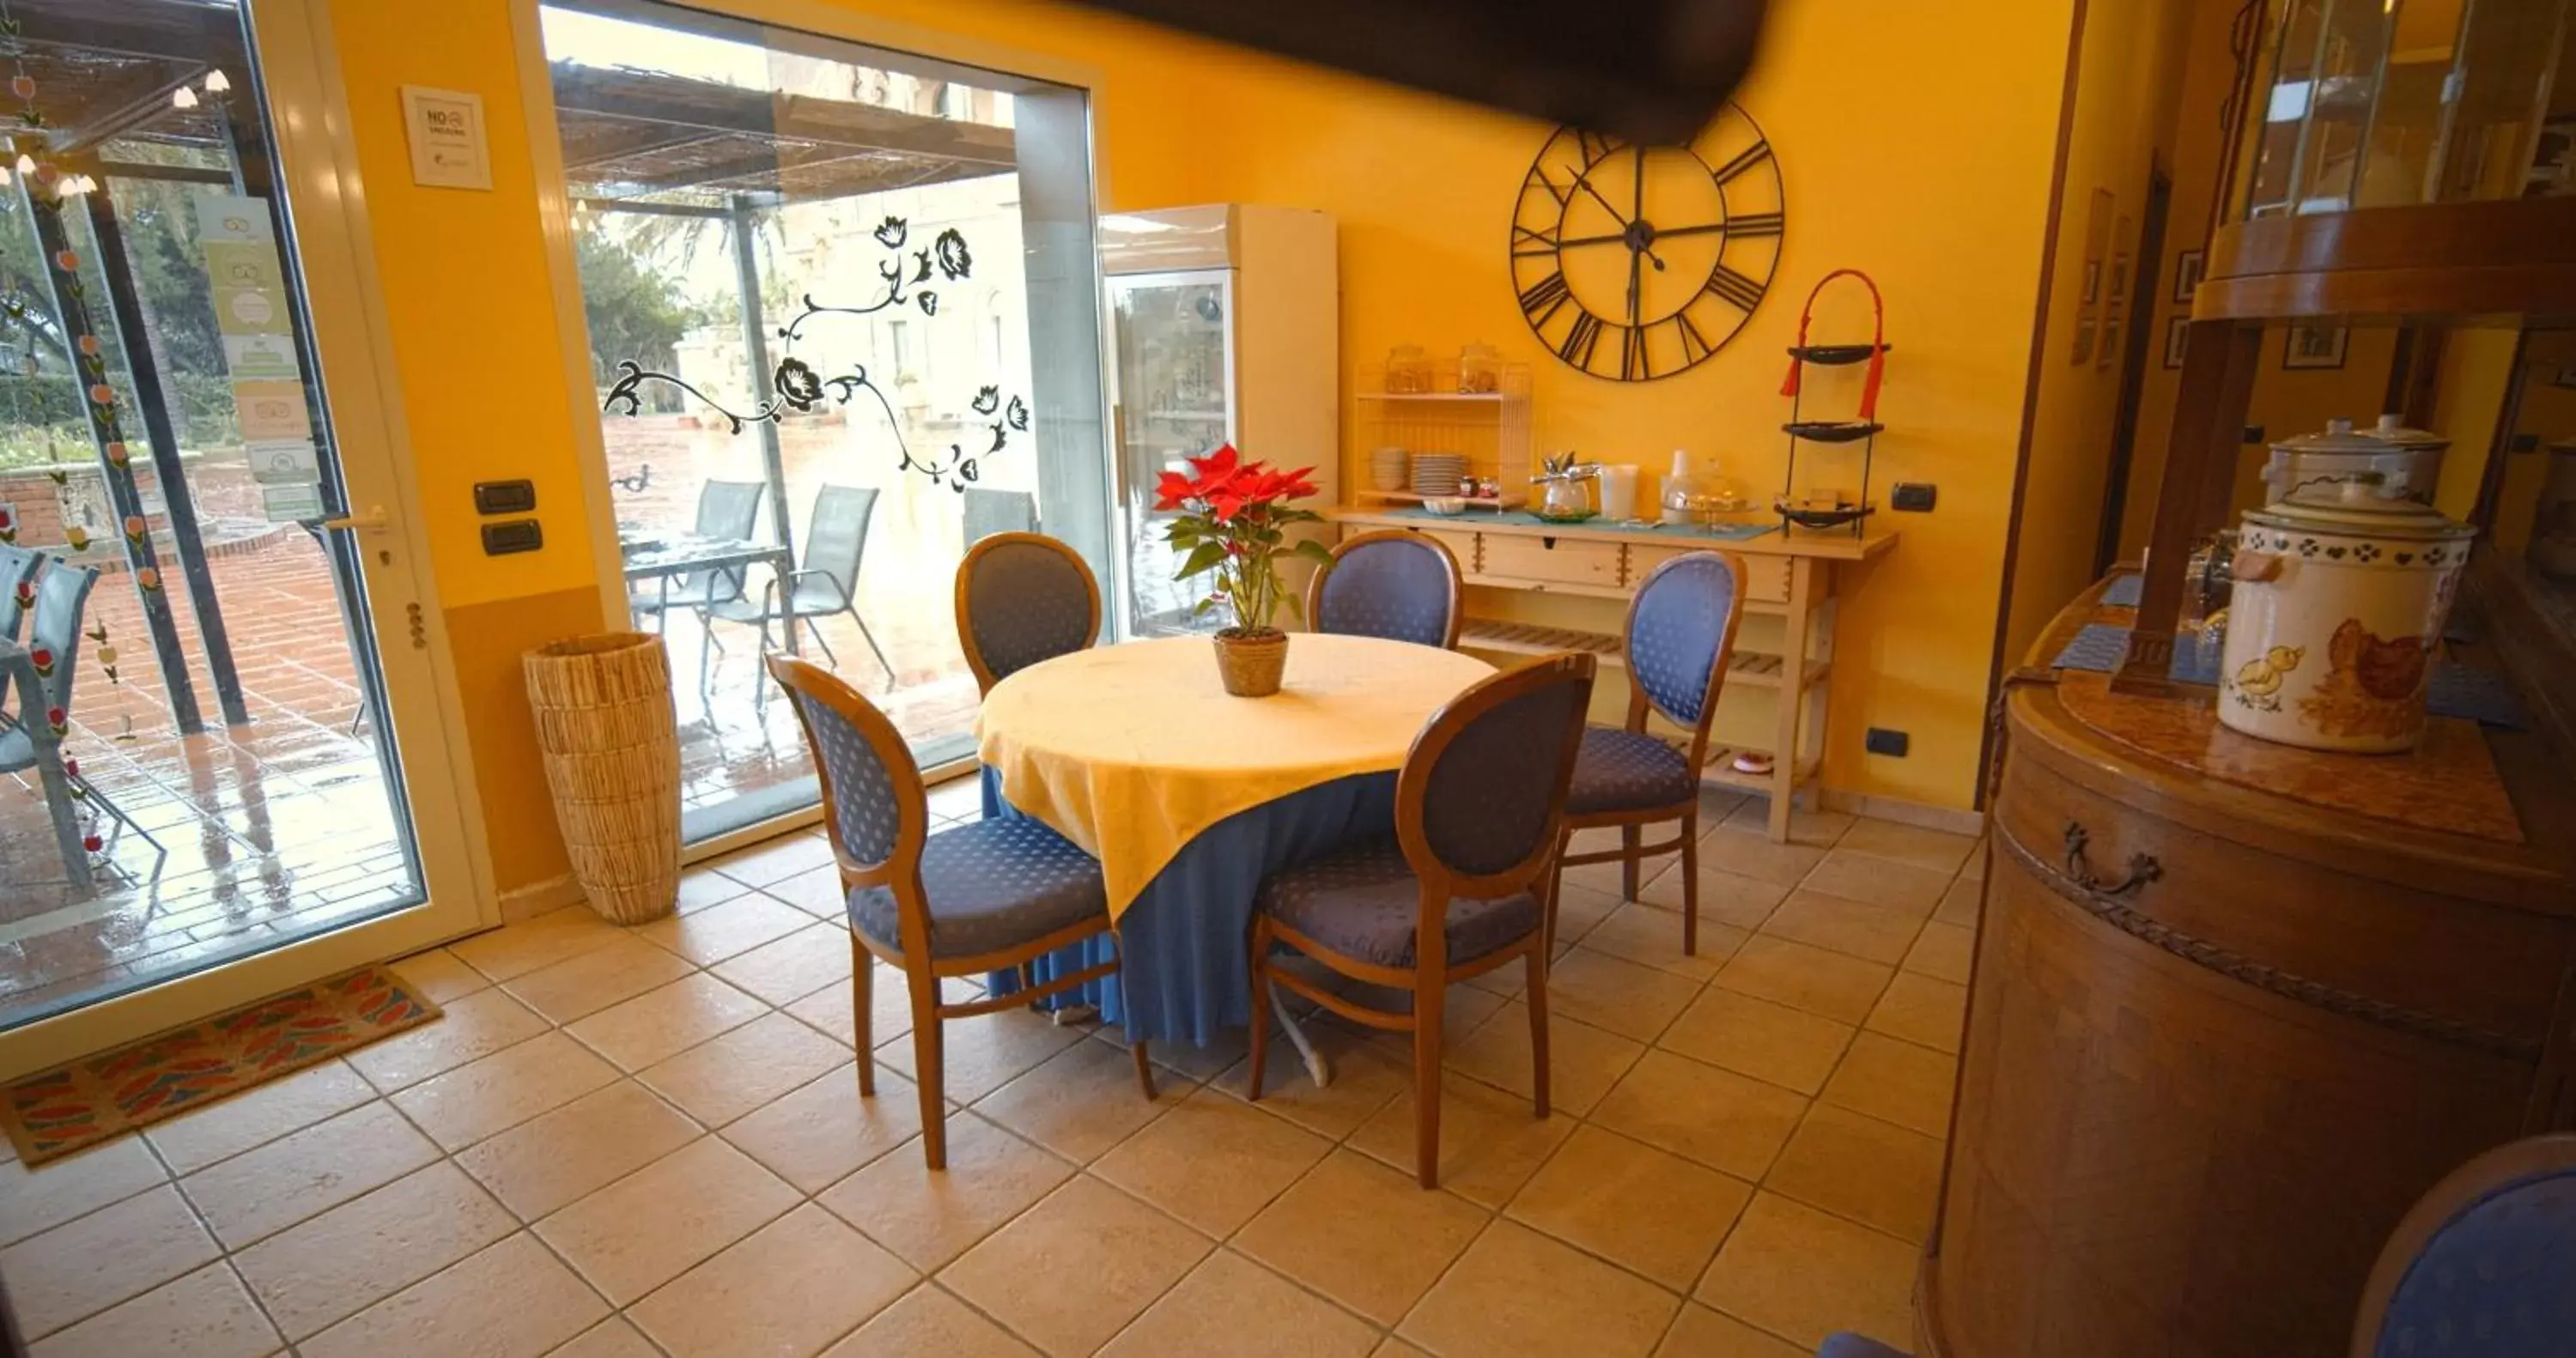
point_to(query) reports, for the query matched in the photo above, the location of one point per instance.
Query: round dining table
(1190, 796)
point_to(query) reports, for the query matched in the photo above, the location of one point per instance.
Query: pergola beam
(709, 107)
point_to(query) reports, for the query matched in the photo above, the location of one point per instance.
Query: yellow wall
(1931, 174)
(2545, 416)
(2128, 87)
(2468, 403)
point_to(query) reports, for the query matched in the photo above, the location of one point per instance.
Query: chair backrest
(1482, 796)
(726, 509)
(62, 596)
(874, 808)
(1023, 598)
(998, 511)
(2484, 1265)
(1395, 584)
(1681, 636)
(837, 535)
(18, 565)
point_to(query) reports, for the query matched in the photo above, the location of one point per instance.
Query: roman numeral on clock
(1579, 340)
(1746, 159)
(1541, 300)
(1529, 244)
(1635, 364)
(1754, 224)
(1695, 346)
(1594, 146)
(1733, 288)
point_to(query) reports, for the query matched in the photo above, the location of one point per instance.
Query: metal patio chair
(836, 542)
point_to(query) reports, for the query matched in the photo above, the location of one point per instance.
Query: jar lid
(2390, 430)
(2338, 438)
(2402, 519)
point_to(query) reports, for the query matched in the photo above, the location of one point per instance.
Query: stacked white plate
(1438, 473)
(1386, 469)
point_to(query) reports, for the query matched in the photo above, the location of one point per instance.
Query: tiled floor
(629, 1142)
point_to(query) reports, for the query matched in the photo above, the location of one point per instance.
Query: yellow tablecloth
(1131, 751)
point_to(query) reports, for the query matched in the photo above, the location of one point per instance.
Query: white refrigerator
(1226, 322)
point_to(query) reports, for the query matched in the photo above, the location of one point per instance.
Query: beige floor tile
(1873, 932)
(1876, 1173)
(517, 949)
(1604, 878)
(1943, 953)
(1363, 1234)
(477, 1025)
(657, 1223)
(927, 1321)
(509, 1300)
(263, 1191)
(1878, 881)
(1579, 910)
(502, 1090)
(596, 979)
(984, 1053)
(258, 1115)
(1230, 1307)
(1838, 986)
(774, 860)
(346, 1259)
(708, 936)
(1716, 1117)
(1615, 994)
(85, 1266)
(615, 1337)
(439, 976)
(1490, 1141)
(930, 1217)
(1728, 898)
(1212, 1161)
(1921, 1010)
(816, 892)
(1798, 1272)
(703, 886)
(1820, 829)
(1397, 1348)
(1583, 1061)
(1699, 1332)
(889, 1012)
(784, 1291)
(1960, 904)
(1075, 1269)
(1464, 1008)
(1516, 1291)
(1750, 853)
(1913, 845)
(1081, 1101)
(1787, 1047)
(33, 1200)
(1194, 1062)
(1644, 934)
(549, 1161)
(730, 1075)
(1896, 1082)
(1644, 1209)
(820, 1134)
(790, 968)
(205, 1314)
(667, 1020)
(1365, 1076)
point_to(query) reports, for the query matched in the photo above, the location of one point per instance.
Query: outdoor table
(19, 667)
(1189, 797)
(658, 557)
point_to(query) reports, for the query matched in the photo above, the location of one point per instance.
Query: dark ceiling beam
(720, 108)
(636, 139)
(151, 100)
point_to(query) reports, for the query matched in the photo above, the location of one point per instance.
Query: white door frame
(300, 80)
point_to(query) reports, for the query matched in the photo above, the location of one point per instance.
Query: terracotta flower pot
(1251, 662)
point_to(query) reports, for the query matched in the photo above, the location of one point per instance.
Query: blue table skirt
(1186, 933)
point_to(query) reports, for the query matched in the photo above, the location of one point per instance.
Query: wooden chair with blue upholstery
(1681, 636)
(1455, 892)
(1394, 583)
(986, 896)
(1023, 598)
(2484, 1264)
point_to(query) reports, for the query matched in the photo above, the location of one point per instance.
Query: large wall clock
(1637, 262)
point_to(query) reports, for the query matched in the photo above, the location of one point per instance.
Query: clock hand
(1621, 238)
(1583, 181)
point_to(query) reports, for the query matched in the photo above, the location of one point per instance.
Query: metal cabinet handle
(2143, 868)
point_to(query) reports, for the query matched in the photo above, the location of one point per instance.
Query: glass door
(1175, 401)
(215, 782)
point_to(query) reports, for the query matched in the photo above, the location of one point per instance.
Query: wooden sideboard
(2234, 1007)
(1792, 576)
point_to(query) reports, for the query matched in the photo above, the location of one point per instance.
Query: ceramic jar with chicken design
(2335, 623)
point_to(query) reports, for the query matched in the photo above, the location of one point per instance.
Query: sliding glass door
(843, 314)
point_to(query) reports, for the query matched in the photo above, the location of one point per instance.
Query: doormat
(73, 1107)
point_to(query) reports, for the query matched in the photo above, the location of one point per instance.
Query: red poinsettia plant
(1233, 523)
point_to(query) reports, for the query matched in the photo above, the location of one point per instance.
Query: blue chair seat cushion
(1620, 770)
(1362, 903)
(991, 885)
(1849, 1345)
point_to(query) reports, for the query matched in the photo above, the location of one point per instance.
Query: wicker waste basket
(612, 746)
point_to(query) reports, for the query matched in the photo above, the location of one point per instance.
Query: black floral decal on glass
(987, 400)
(955, 261)
(892, 232)
(797, 384)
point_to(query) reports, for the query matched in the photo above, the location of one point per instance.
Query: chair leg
(871, 639)
(1260, 1003)
(928, 1068)
(1552, 888)
(1428, 997)
(863, 985)
(1538, 1029)
(817, 633)
(1631, 838)
(1690, 884)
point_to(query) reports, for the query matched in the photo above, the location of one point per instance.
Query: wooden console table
(1792, 576)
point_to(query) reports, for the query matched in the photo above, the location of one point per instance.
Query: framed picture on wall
(2187, 266)
(2310, 348)
(2084, 329)
(2177, 330)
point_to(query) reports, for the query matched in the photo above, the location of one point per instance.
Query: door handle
(373, 520)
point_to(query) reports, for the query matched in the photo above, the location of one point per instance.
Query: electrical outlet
(1883, 741)
(516, 535)
(505, 497)
(1914, 496)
